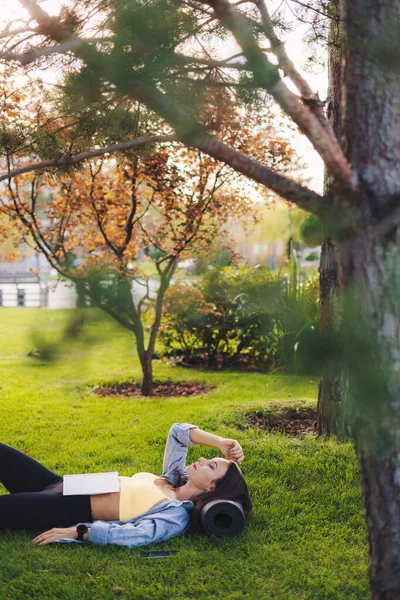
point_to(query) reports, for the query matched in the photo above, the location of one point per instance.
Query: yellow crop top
(138, 494)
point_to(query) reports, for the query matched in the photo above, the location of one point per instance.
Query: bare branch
(218, 84)
(132, 213)
(103, 232)
(278, 48)
(145, 297)
(28, 57)
(267, 76)
(319, 12)
(48, 26)
(164, 284)
(73, 159)
(203, 62)
(193, 134)
(10, 32)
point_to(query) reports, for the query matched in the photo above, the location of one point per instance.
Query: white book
(90, 483)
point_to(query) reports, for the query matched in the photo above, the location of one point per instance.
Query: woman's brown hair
(231, 486)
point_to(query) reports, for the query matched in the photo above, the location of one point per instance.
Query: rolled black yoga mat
(222, 518)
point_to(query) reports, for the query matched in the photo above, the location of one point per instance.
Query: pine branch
(28, 57)
(318, 12)
(287, 66)
(192, 133)
(48, 26)
(10, 32)
(66, 161)
(204, 63)
(267, 76)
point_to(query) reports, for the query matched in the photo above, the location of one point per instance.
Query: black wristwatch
(81, 530)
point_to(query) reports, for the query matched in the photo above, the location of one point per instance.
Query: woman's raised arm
(230, 448)
(175, 452)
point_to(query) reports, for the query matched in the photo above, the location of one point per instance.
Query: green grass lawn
(304, 540)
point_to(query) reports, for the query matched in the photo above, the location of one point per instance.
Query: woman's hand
(231, 449)
(55, 534)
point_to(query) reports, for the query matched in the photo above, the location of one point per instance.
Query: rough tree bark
(332, 416)
(370, 273)
(147, 374)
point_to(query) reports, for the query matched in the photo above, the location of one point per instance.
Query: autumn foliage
(95, 222)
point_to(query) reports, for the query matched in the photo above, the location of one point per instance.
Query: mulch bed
(293, 421)
(164, 389)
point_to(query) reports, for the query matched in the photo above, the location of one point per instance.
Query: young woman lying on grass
(146, 509)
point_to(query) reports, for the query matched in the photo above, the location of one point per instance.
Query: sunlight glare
(11, 9)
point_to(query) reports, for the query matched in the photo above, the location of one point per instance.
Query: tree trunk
(147, 374)
(369, 269)
(380, 482)
(80, 293)
(332, 413)
(126, 304)
(146, 356)
(374, 360)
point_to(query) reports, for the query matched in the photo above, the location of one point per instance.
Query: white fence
(22, 290)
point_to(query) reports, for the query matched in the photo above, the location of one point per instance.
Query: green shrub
(185, 316)
(244, 314)
(245, 301)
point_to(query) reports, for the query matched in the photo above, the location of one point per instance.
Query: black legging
(35, 500)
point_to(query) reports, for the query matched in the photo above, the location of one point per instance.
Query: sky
(295, 48)
(12, 8)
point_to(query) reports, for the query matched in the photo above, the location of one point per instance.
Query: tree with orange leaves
(92, 223)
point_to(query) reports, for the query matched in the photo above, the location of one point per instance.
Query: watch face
(81, 530)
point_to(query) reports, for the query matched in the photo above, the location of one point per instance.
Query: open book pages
(90, 483)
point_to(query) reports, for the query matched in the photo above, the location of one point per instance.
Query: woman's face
(203, 473)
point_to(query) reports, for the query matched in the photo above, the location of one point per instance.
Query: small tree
(91, 224)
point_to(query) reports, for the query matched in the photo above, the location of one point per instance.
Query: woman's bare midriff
(105, 507)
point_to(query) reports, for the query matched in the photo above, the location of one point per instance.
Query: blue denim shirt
(163, 521)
